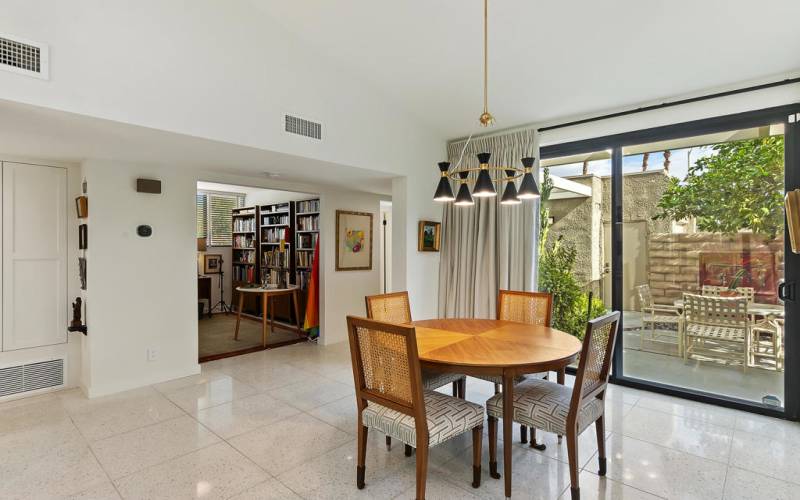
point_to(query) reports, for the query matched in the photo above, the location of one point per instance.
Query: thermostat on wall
(144, 230)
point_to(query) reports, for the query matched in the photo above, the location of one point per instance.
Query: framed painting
(213, 263)
(429, 236)
(353, 241)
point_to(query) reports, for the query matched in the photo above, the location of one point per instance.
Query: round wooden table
(494, 347)
(266, 294)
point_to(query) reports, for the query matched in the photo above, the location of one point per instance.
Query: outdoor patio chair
(716, 329)
(766, 344)
(743, 291)
(655, 315)
(396, 308)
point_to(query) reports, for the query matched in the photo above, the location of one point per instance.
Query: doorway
(254, 243)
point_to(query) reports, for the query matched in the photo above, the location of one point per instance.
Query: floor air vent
(23, 56)
(301, 126)
(31, 377)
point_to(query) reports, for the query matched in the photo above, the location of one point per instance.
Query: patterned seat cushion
(447, 417)
(498, 379)
(433, 380)
(545, 405)
(729, 333)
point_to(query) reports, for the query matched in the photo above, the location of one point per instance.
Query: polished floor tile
(770, 457)
(745, 485)
(271, 489)
(716, 415)
(663, 471)
(217, 471)
(108, 416)
(124, 454)
(211, 393)
(691, 436)
(103, 491)
(242, 415)
(594, 487)
(310, 395)
(342, 414)
(285, 444)
(782, 430)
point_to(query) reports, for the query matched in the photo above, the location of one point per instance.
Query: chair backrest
(389, 307)
(386, 367)
(645, 297)
(747, 292)
(595, 361)
(533, 308)
(715, 311)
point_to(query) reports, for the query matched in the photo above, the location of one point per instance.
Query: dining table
(495, 347)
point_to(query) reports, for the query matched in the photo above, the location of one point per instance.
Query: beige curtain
(488, 246)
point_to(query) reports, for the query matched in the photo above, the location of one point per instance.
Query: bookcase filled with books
(244, 254)
(306, 234)
(275, 252)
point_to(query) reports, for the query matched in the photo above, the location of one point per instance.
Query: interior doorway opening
(257, 283)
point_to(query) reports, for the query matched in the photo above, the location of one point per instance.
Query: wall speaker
(151, 186)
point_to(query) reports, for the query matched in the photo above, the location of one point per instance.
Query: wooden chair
(396, 308)
(654, 315)
(532, 308)
(716, 328)
(390, 398)
(541, 404)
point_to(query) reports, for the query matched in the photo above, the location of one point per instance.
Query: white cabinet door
(34, 256)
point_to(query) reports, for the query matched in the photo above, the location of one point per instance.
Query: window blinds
(214, 217)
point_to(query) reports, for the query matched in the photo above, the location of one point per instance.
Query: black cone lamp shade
(444, 192)
(464, 199)
(510, 193)
(528, 188)
(484, 187)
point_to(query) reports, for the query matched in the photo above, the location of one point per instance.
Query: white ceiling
(547, 59)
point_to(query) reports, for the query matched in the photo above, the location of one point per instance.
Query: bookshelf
(307, 227)
(276, 224)
(244, 254)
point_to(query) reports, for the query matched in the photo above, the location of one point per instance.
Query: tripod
(223, 306)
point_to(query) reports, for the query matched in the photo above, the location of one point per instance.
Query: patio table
(755, 309)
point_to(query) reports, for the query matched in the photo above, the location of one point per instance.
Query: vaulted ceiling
(547, 59)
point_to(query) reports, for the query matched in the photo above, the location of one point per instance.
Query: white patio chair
(716, 329)
(654, 315)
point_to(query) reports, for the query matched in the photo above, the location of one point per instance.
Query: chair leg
(408, 450)
(497, 388)
(455, 389)
(388, 442)
(462, 384)
(493, 448)
(477, 441)
(534, 444)
(422, 468)
(523, 434)
(362, 455)
(600, 428)
(572, 451)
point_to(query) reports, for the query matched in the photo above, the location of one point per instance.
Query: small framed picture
(429, 236)
(213, 263)
(82, 206)
(353, 241)
(83, 237)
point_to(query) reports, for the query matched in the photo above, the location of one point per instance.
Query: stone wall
(675, 259)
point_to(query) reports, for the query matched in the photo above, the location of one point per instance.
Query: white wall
(141, 291)
(386, 244)
(272, 196)
(71, 350)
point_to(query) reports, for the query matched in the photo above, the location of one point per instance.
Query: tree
(740, 187)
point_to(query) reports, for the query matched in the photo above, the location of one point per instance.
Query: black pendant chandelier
(486, 176)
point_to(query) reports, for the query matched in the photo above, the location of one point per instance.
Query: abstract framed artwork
(429, 236)
(353, 241)
(213, 263)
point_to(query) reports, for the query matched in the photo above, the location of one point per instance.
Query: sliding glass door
(692, 248)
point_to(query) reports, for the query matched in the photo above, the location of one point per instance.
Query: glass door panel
(703, 258)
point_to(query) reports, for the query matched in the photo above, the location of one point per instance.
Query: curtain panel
(487, 247)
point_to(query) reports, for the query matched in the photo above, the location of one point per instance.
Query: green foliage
(740, 187)
(556, 265)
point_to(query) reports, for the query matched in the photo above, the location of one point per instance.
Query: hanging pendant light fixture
(487, 176)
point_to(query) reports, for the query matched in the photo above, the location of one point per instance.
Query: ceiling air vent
(301, 126)
(31, 377)
(24, 57)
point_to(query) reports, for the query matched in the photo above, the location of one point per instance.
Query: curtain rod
(642, 109)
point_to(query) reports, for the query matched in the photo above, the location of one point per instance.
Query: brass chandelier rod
(486, 118)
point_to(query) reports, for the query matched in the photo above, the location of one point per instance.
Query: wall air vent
(31, 377)
(24, 57)
(301, 126)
